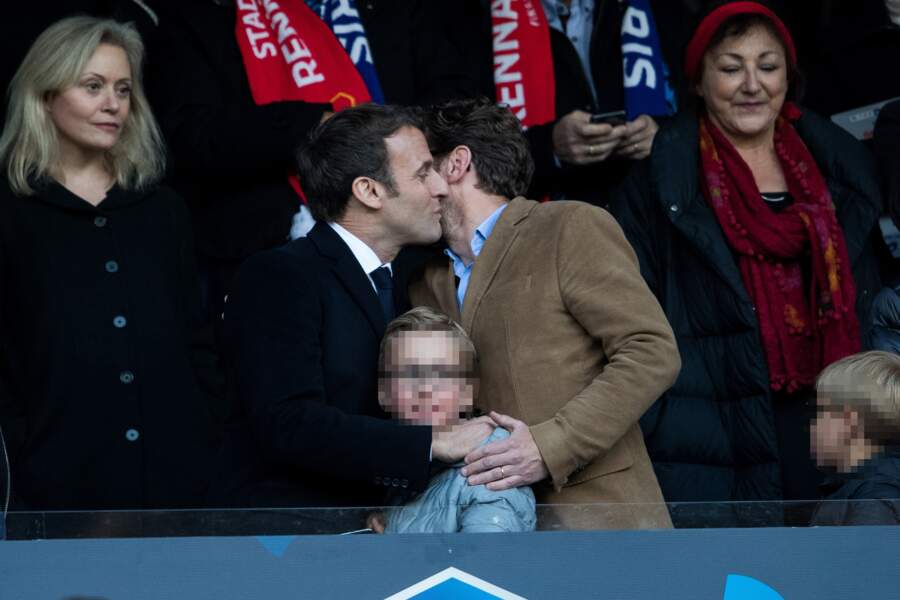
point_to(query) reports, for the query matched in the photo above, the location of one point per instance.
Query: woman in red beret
(752, 220)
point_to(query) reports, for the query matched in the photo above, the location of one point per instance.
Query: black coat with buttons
(106, 371)
(712, 436)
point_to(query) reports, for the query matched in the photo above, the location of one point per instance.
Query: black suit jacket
(302, 332)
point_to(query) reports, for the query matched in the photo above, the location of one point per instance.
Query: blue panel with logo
(699, 564)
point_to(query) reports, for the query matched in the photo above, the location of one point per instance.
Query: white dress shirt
(364, 255)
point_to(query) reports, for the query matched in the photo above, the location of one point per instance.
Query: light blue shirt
(579, 28)
(460, 269)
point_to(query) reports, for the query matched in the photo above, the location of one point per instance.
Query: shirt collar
(487, 226)
(364, 255)
(552, 10)
(482, 232)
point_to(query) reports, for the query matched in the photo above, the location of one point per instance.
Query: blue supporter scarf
(342, 18)
(647, 89)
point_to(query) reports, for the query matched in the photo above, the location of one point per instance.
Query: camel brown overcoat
(572, 342)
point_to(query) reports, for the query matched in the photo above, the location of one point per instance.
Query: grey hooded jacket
(450, 505)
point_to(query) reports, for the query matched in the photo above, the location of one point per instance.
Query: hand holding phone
(579, 141)
(614, 118)
(638, 139)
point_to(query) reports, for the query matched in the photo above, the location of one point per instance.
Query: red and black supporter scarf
(803, 329)
(289, 53)
(523, 61)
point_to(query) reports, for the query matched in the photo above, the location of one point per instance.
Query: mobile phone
(616, 117)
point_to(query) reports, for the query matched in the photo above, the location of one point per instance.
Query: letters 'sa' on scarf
(793, 263)
(523, 61)
(647, 89)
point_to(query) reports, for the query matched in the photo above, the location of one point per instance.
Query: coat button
(132, 435)
(111, 266)
(119, 322)
(126, 377)
(395, 483)
(674, 208)
(404, 483)
(100, 221)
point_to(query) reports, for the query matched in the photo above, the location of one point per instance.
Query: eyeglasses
(427, 372)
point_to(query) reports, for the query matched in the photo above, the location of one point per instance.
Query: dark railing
(334, 521)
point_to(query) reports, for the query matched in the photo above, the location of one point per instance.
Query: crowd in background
(733, 427)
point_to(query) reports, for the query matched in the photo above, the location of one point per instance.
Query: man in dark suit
(304, 323)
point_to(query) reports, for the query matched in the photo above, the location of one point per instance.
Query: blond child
(855, 438)
(429, 377)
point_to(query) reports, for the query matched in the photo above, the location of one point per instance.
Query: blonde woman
(105, 372)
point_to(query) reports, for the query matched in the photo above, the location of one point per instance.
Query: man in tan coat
(572, 344)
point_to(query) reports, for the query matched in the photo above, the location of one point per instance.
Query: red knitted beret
(710, 25)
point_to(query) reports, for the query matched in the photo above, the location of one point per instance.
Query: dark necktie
(385, 286)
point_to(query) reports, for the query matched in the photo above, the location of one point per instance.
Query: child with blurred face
(857, 433)
(428, 376)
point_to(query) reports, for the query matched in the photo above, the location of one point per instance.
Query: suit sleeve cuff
(549, 439)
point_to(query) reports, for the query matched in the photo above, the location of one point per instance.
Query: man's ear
(457, 164)
(369, 192)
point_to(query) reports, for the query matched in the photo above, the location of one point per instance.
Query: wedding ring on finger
(502, 474)
(591, 150)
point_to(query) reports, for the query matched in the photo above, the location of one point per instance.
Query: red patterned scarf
(803, 328)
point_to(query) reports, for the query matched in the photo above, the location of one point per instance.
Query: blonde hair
(424, 318)
(29, 145)
(869, 383)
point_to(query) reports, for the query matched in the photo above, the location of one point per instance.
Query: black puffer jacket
(712, 437)
(869, 496)
(886, 321)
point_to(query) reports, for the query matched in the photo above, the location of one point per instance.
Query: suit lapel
(443, 285)
(349, 272)
(491, 256)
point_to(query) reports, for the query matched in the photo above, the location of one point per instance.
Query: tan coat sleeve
(603, 290)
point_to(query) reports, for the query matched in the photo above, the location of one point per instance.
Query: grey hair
(29, 145)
